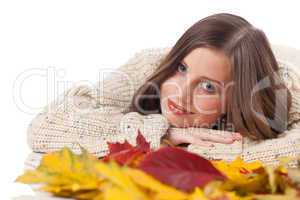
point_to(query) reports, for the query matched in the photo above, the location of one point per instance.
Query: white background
(77, 38)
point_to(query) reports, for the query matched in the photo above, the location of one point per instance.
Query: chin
(183, 123)
(178, 123)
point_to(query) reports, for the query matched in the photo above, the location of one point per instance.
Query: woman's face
(198, 88)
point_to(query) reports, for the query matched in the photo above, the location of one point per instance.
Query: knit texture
(92, 116)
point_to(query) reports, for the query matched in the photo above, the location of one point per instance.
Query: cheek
(209, 110)
(208, 104)
(170, 88)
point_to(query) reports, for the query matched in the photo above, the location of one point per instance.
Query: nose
(187, 93)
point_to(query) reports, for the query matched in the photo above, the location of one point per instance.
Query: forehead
(211, 63)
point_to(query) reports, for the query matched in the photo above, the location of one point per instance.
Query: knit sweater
(94, 115)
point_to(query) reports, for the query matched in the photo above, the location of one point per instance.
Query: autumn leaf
(118, 147)
(278, 178)
(159, 190)
(179, 168)
(237, 170)
(243, 176)
(122, 185)
(66, 174)
(289, 194)
(135, 173)
(125, 153)
(198, 194)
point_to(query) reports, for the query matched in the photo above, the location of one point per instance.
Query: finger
(179, 138)
(208, 131)
(234, 135)
(202, 143)
(226, 136)
(191, 139)
(237, 136)
(213, 136)
(216, 138)
(176, 137)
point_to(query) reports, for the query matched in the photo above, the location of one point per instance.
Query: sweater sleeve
(81, 116)
(267, 151)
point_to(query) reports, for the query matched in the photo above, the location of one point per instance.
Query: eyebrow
(205, 77)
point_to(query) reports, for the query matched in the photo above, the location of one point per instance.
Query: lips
(176, 109)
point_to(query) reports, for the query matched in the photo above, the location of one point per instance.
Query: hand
(201, 136)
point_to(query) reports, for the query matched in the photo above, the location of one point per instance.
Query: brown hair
(260, 116)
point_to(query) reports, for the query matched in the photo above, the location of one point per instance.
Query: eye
(181, 68)
(207, 86)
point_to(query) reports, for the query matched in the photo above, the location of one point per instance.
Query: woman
(219, 89)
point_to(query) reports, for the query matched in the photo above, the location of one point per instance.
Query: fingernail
(230, 138)
(231, 141)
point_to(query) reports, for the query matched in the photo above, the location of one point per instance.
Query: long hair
(258, 102)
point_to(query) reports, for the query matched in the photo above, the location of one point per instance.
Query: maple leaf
(127, 154)
(160, 190)
(243, 176)
(238, 170)
(169, 173)
(198, 194)
(121, 185)
(66, 174)
(179, 168)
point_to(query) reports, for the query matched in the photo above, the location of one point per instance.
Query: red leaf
(179, 168)
(141, 142)
(117, 147)
(125, 153)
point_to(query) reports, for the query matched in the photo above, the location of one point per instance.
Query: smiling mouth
(176, 109)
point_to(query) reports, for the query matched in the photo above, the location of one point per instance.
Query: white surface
(80, 37)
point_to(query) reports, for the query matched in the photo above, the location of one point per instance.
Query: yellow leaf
(237, 170)
(290, 194)
(219, 193)
(116, 193)
(32, 176)
(215, 190)
(84, 177)
(64, 173)
(198, 194)
(248, 176)
(162, 191)
(120, 180)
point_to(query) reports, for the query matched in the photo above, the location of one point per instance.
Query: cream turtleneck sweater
(92, 116)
